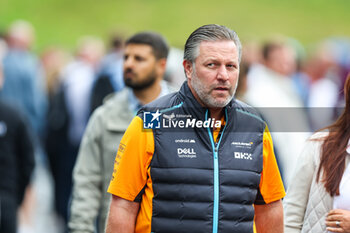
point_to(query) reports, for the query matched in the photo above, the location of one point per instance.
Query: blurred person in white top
(271, 90)
(323, 91)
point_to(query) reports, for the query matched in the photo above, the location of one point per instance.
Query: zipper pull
(215, 153)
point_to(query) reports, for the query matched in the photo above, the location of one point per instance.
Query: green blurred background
(62, 22)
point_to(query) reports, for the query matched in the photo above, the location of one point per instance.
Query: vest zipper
(215, 148)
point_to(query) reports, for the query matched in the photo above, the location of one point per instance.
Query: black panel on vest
(183, 186)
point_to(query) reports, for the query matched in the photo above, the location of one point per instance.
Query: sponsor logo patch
(186, 153)
(242, 155)
(247, 145)
(185, 141)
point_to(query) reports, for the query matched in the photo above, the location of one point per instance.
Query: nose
(222, 73)
(128, 62)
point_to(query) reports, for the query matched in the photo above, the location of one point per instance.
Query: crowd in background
(57, 91)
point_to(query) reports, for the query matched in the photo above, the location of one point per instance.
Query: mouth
(129, 74)
(221, 89)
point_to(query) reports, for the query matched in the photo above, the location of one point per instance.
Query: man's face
(213, 79)
(282, 60)
(140, 66)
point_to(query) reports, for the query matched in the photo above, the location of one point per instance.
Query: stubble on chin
(205, 94)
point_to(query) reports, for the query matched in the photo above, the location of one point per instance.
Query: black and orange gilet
(191, 181)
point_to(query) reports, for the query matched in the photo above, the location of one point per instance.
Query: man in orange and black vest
(198, 160)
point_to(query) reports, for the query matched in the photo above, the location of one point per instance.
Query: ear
(161, 66)
(188, 67)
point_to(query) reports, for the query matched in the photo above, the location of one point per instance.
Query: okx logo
(151, 120)
(241, 155)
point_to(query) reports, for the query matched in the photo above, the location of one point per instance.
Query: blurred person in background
(145, 60)
(110, 72)
(318, 72)
(68, 118)
(24, 86)
(277, 66)
(318, 198)
(3, 51)
(24, 89)
(341, 50)
(271, 90)
(53, 61)
(251, 57)
(174, 73)
(17, 161)
(242, 86)
(251, 53)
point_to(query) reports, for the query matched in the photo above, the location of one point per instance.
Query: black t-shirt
(16, 152)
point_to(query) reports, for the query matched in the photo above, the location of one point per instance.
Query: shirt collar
(134, 102)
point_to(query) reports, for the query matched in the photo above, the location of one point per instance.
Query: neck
(314, 73)
(216, 113)
(149, 94)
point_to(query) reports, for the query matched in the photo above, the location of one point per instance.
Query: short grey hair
(210, 32)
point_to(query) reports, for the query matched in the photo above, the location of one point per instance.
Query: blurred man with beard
(144, 66)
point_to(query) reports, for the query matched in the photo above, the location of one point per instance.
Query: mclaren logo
(247, 145)
(241, 155)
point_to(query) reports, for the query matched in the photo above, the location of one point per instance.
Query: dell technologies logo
(186, 153)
